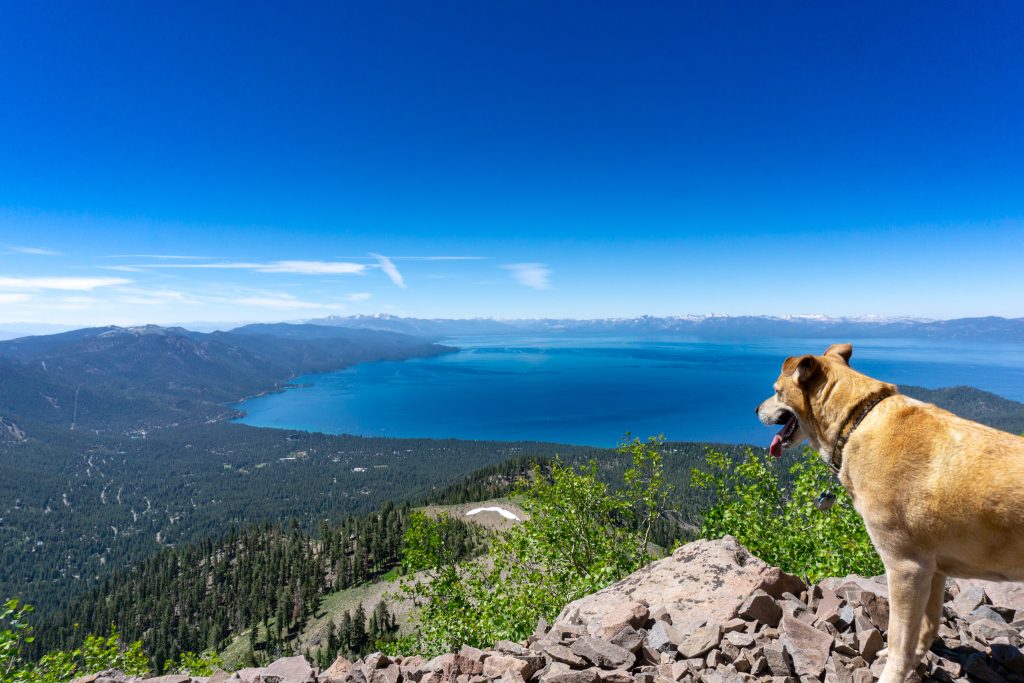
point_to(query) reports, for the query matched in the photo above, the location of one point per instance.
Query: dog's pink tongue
(776, 447)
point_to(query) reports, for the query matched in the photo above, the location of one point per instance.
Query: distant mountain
(976, 329)
(142, 377)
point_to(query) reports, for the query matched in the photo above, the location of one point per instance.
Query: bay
(591, 391)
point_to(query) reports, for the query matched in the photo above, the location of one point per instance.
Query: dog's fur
(941, 496)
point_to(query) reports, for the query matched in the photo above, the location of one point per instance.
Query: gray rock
(663, 638)
(570, 676)
(778, 660)
(985, 612)
(969, 600)
(628, 638)
(603, 654)
(701, 641)
(808, 647)
(560, 653)
(986, 630)
(869, 643)
(760, 607)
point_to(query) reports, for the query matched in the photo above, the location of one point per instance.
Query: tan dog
(941, 496)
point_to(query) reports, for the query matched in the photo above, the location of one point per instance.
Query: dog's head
(793, 406)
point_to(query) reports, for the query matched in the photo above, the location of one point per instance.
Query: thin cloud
(300, 267)
(286, 302)
(359, 296)
(533, 275)
(175, 257)
(390, 270)
(13, 298)
(35, 251)
(77, 284)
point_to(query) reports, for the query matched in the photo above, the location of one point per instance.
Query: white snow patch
(501, 511)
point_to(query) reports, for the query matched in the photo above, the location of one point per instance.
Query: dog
(941, 496)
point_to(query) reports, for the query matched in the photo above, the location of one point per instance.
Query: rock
(808, 647)
(663, 638)
(602, 653)
(628, 638)
(985, 612)
(968, 600)
(619, 614)
(508, 647)
(701, 641)
(289, 670)
(387, 674)
(760, 607)
(476, 654)
(615, 676)
(848, 584)
(986, 629)
(863, 676)
(247, 675)
(869, 643)
(570, 676)
(705, 580)
(560, 653)
(1009, 656)
(1008, 594)
(778, 660)
(337, 670)
(177, 678)
(499, 666)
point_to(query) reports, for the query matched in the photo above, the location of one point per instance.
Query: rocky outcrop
(711, 612)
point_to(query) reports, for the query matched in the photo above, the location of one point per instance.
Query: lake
(592, 391)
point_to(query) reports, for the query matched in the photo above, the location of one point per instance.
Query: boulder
(701, 581)
(337, 671)
(288, 670)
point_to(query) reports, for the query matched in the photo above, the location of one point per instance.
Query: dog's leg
(932, 615)
(909, 588)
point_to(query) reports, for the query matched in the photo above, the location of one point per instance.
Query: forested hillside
(267, 580)
(113, 379)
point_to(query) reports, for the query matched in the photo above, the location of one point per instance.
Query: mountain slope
(112, 378)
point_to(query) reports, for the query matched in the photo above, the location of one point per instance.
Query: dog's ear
(801, 368)
(844, 351)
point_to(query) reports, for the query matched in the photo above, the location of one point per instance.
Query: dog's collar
(852, 421)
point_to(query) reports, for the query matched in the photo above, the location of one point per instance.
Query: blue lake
(592, 391)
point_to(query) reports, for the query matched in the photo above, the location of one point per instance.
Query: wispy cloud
(13, 298)
(175, 257)
(390, 270)
(534, 275)
(300, 267)
(77, 284)
(35, 251)
(286, 302)
(359, 296)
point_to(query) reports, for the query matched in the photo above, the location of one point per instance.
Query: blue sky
(513, 159)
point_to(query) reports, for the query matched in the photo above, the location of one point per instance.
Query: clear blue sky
(594, 158)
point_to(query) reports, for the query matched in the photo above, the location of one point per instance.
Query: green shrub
(193, 664)
(781, 525)
(97, 653)
(579, 536)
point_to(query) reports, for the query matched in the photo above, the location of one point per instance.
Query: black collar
(853, 420)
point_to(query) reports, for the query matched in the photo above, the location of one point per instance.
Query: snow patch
(501, 511)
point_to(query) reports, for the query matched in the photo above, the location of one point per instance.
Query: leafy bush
(97, 653)
(202, 664)
(579, 537)
(781, 525)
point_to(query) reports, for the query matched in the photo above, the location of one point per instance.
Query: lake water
(592, 391)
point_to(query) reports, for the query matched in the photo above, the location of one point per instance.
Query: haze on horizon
(180, 162)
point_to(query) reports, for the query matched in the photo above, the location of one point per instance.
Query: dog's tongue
(776, 447)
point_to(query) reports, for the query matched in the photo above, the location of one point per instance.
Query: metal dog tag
(826, 500)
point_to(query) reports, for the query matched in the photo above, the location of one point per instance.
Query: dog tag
(826, 500)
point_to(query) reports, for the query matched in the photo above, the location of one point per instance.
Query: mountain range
(990, 328)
